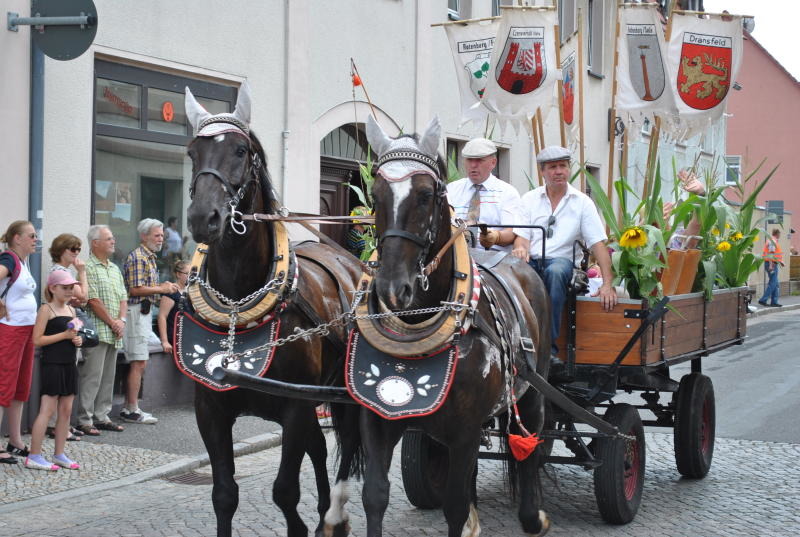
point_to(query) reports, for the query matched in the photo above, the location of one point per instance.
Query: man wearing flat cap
(566, 214)
(482, 197)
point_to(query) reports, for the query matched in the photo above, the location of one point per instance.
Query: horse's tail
(350, 454)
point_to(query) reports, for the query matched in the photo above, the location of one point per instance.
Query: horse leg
(298, 421)
(534, 520)
(346, 423)
(459, 509)
(378, 439)
(317, 451)
(215, 423)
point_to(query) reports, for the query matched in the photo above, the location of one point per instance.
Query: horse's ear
(194, 110)
(429, 141)
(242, 110)
(377, 139)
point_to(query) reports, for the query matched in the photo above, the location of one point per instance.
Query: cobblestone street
(751, 490)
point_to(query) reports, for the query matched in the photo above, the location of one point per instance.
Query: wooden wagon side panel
(601, 335)
(683, 327)
(725, 317)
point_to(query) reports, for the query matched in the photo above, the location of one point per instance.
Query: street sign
(62, 29)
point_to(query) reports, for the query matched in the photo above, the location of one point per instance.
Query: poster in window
(104, 195)
(122, 207)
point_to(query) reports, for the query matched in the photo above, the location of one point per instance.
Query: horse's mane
(264, 178)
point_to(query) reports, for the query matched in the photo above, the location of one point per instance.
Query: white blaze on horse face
(336, 514)
(400, 191)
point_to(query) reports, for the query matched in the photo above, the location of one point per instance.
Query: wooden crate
(794, 267)
(694, 327)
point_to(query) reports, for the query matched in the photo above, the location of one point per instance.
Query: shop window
(117, 103)
(597, 32)
(140, 165)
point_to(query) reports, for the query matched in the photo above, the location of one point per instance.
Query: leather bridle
(234, 196)
(423, 242)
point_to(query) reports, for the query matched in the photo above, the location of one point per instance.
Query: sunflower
(737, 236)
(633, 237)
(724, 246)
(727, 226)
(715, 231)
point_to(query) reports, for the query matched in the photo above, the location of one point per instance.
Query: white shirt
(20, 300)
(173, 240)
(500, 202)
(576, 218)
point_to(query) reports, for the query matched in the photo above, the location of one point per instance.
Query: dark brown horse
(229, 174)
(413, 222)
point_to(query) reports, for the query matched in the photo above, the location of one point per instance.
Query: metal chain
(340, 320)
(269, 286)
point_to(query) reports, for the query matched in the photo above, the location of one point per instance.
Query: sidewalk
(143, 452)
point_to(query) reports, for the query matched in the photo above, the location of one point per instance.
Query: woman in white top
(17, 316)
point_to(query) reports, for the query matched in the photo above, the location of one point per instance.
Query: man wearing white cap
(482, 197)
(567, 214)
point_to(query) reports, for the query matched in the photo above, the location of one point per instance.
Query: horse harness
(235, 196)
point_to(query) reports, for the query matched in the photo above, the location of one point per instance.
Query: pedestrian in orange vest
(773, 256)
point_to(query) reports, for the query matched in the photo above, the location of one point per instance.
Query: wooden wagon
(630, 349)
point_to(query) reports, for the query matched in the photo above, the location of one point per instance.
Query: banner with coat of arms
(642, 78)
(569, 93)
(523, 65)
(704, 56)
(471, 45)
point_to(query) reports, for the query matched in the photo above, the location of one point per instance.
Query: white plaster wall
(15, 79)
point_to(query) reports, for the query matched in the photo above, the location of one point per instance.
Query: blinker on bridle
(234, 197)
(423, 242)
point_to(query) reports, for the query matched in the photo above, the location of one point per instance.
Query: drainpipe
(36, 156)
(286, 132)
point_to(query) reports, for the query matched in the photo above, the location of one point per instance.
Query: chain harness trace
(321, 330)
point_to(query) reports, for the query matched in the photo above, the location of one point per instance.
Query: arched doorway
(341, 151)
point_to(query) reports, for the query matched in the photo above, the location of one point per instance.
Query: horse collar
(284, 268)
(391, 335)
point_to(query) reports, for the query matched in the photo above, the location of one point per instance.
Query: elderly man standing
(567, 214)
(482, 197)
(141, 279)
(107, 302)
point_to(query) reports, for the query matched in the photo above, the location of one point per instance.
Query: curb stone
(244, 447)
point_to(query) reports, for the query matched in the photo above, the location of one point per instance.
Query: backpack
(14, 273)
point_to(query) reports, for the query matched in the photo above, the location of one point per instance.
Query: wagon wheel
(618, 481)
(695, 419)
(424, 465)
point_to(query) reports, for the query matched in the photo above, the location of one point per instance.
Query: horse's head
(410, 209)
(229, 170)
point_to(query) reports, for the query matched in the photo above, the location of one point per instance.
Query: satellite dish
(749, 24)
(64, 42)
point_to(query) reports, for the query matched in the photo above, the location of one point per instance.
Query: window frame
(733, 162)
(595, 44)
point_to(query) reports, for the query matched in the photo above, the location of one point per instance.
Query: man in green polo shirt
(107, 308)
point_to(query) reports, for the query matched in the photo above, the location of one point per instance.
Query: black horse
(413, 223)
(229, 174)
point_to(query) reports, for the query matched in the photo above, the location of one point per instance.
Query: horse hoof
(545, 521)
(339, 530)
(472, 527)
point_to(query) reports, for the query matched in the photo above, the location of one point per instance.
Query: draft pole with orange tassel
(358, 81)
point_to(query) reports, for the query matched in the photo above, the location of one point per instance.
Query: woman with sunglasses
(168, 307)
(18, 307)
(64, 252)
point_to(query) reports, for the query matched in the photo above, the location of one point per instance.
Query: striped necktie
(474, 211)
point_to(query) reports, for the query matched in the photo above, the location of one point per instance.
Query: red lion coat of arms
(704, 76)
